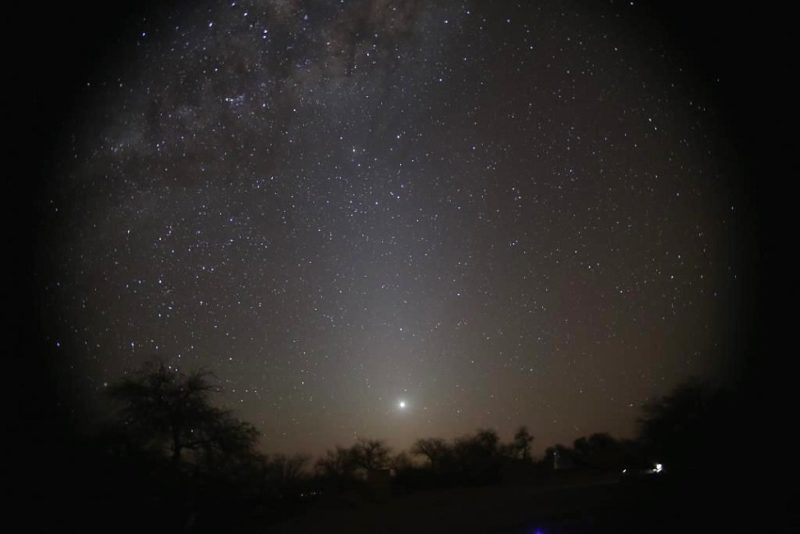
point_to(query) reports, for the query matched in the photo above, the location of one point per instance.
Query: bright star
(401, 405)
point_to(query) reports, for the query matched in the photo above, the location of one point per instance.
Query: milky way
(495, 214)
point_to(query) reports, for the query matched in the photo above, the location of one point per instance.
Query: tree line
(170, 453)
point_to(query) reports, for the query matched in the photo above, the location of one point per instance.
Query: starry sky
(494, 213)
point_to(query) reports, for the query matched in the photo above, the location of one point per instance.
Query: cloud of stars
(485, 214)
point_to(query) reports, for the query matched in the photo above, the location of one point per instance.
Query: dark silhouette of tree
(435, 450)
(599, 450)
(521, 444)
(168, 411)
(370, 454)
(285, 470)
(484, 441)
(336, 464)
(478, 457)
(401, 461)
(344, 468)
(691, 429)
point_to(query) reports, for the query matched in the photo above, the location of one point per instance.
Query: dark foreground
(597, 504)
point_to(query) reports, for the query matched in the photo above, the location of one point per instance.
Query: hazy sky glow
(397, 219)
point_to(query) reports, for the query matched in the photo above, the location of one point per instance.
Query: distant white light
(401, 404)
(658, 468)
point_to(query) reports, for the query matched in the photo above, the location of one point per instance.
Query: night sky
(494, 213)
